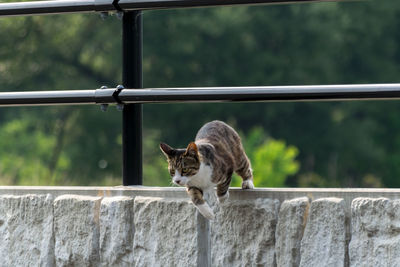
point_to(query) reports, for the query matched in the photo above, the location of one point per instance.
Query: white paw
(223, 198)
(206, 211)
(247, 184)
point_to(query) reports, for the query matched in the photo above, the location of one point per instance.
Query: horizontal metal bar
(205, 94)
(263, 94)
(78, 6)
(46, 98)
(46, 7)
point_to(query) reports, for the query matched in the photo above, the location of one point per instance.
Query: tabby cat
(208, 162)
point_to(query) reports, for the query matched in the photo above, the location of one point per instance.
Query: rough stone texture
(116, 231)
(165, 232)
(89, 231)
(289, 231)
(324, 239)
(76, 229)
(375, 232)
(243, 233)
(26, 236)
(4, 236)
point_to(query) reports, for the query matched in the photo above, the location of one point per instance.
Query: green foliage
(64, 145)
(28, 155)
(272, 160)
(155, 165)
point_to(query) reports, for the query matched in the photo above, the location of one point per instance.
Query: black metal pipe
(263, 94)
(203, 94)
(37, 98)
(46, 7)
(132, 113)
(78, 6)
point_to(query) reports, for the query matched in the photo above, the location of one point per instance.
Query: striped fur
(209, 161)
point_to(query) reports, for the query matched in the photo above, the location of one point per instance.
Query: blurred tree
(28, 155)
(342, 143)
(56, 53)
(272, 160)
(155, 165)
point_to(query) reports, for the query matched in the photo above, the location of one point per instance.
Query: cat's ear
(166, 149)
(191, 149)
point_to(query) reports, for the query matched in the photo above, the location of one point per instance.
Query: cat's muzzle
(179, 181)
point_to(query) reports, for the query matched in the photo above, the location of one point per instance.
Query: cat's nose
(178, 181)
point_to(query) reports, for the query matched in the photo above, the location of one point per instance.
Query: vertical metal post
(132, 34)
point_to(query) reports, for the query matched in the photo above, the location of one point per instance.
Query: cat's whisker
(172, 184)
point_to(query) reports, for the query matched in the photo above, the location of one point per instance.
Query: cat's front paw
(223, 198)
(206, 211)
(247, 184)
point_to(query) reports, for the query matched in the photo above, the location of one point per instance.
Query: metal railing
(203, 94)
(132, 100)
(79, 6)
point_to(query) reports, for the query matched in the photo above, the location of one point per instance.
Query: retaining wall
(147, 226)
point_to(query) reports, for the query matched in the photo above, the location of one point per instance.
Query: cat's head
(182, 163)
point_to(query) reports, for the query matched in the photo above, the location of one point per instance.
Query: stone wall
(139, 226)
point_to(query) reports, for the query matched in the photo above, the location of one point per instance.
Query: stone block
(324, 240)
(289, 231)
(116, 231)
(243, 233)
(26, 230)
(165, 232)
(76, 229)
(375, 232)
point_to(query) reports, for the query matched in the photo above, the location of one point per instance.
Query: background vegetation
(331, 144)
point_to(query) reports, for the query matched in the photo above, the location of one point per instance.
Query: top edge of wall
(348, 194)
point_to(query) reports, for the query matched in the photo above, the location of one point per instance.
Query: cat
(207, 162)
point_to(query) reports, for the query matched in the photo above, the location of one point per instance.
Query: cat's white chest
(202, 179)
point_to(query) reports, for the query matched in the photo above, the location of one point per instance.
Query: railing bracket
(103, 107)
(116, 5)
(118, 90)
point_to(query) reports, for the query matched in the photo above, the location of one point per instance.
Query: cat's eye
(185, 170)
